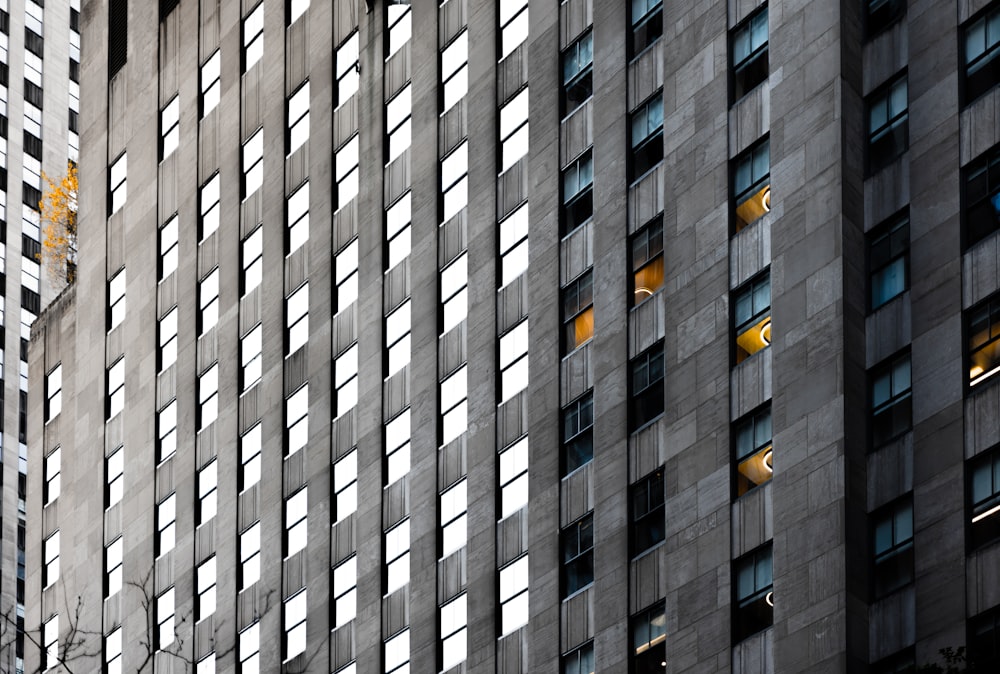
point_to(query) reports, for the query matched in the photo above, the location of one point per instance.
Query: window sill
(752, 92)
(642, 52)
(752, 490)
(577, 593)
(646, 425)
(648, 551)
(645, 174)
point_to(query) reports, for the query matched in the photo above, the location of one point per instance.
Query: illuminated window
(454, 182)
(454, 529)
(347, 160)
(752, 184)
(398, 24)
(514, 477)
(892, 546)
(113, 651)
(345, 591)
(753, 598)
(397, 124)
(514, 136)
(647, 261)
(578, 435)
(297, 319)
(752, 316)
(889, 259)
(577, 68)
(397, 231)
(346, 275)
(165, 609)
(208, 497)
(748, 43)
(253, 37)
(53, 475)
(647, 25)
(577, 193)
(578, 312)
(514, 361)
(646, 387)
(514, 245)
(397, 653)
(577, 555)
(249, 556)
(984, 498)
(649, 640)
(513, 25)
(397, 556)
(648, 522)
(249, 649)
(50, 642)
(297, 419)
(251, 347)
(118, 183)
(345, 380)
(297, 218)
(296, 8)
(296, 522)
(646, 133)
(53, 392)
(454, 405)
(250, 447)
(892, 403)
(983, 330)
(208, 396)
(253, 163)
(753, 449)
(454, 632)
(397, 446)
(454, 71)
(981, 37)
(116, 388)
(345, 485)
(397, 339)
(514, 595)
(168, 247)
(348, 68)
(169, 127)
(295, 624)
(252, 250)
(888, 124)
(454, 293)
(114, 477)
(205, 586)
(209, 204)
(211, 89)
(116, 300)
(981, 196)
(113, 555)
(50, 559)
(166, 429)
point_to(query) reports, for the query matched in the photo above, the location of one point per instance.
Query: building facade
(446, 340)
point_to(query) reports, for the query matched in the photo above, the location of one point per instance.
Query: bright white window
(116, 300)
(514, 130)
(168, 339)
(455, 70)
(208, 301)
(210, 86)
(397, 338)
(514, 595)
(168, 247)
(170, 134)
(166, 425)
(345, 592)
(50, 557)
(113, 651)
(296, 522)
(397, 556)
(347, 172)
(50, 641)
(253, 265)
(115, 477)
(33, 68)
(166, 517)
(514, 361)
(249, 650)
(251, 346)
(53, 392)
(454, 292)
(296, 8)
(53, 475)
(398, 17)
(454, 405)
(250, 556)
(297, 419)
(455, 182)
(118, 183)
(253, 37)
(297, 318)
(116, 388)
(454, 528)
(345, 379)
(208, 396)
(165, 618)
(348, 68)
(208, 482)
(210, 206)
(298, 118)
(30, 272)
(514, 477)
(253, 163)
(513, 25)
(298, 218)
(397, 230)
(346, 275)
(454, 635)
(206, 575)
(397, 446)
(113, 556)
(397, 123)
(250, 446)
(345, 485)
(295, 625)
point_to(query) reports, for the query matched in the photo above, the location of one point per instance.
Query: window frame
(580, 660)
(885, 575)
(896, 126)
(738, 70)
(577, 303)
(974, 627)
(569, 219)
(750, 603)
(990, 56)
(759, 316)
(648, 239)
(653, 389)
(581, 78)
(758, 185)
(648, 27)
(887, 368)
(647, 508)
(647, 619)
(579, 408)
(758, 419)
(988, 165)
(875, 24)
(646, 153)
(893, 231)
(576, 546)
(982, 516)
(989, 307)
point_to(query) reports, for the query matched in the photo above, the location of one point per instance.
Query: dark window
(578, 555)
(649, 640)
(74, 121)
(648, 520)
(74, 70)
(891, 400)
(30, 248)
(33, 93)
(31, 196)
(752, 442)
(74, 19)
(577, 67)
(578, 312)
(578, 192)
(647, 24)
(984, 641)
(5, 21)
(752, 184)
(4, 73)
(752, 316)
(983, 332)
(982, 54)
(753, 605)
(901, 662)
(578, 434)
(34, 43)
(646, 387)
(30, 301)
(33, 145)
(892, 546)
(982, 197)
(880, 14)
(647, 261)
(167, 6)
(579, 661)
(889, 259)
(647, 136)
(749, 53)
(888, 124)
(984, 498)
(22, 411)
(117, 36)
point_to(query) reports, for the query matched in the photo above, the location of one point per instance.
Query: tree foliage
(58, 208)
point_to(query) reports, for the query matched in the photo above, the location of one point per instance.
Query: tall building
(525, 336)
(39, 103)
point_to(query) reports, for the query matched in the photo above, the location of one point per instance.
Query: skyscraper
(525, 336)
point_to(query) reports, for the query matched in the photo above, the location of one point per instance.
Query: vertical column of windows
(73, 149)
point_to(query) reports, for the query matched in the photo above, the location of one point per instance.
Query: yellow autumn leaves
(58, 215)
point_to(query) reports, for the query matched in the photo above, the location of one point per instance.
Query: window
(455, 71)
(453, 506)
(397, 556)
(892, 404)
(345, 591)
(397, 123)
(297, 319)
(253, 163)
(580, 660)
(514, 477)
(647, 261)
(296, 8)
(454, 292)
(752, 316)
(116, 388)
(397, 231)
(578, 312)
(984, 641)
(888, 124)
(114, 477)
(50, 642)
(398, 21)
(578, 555)
(514, 245)
(53, 392)
(397, 653)
(397, 339)
(646, 387)
(514, 595)
(880, 14)
(253, 265)
(578, 435)
(752, 184)
(208, 481)
(113, 651)
(982, 49)
(206, 575)
(889, 259)
(649, 640)
(578, 193)
(168, 247)
(748, 43)
(345, 380)
(397, 447)
(250, 446)
(208, 396)
(454, 182)
(297, 419)
(454, 634)
(249, 649)
(297, 219)
(118, 183)
(647, 25)
(295, 625)
(514, 361)
(211, 89)
(116, 300)
(752, 437)
(577, 67)
(165, 619)
(113, 555)
(251, 346)
(753, 604)
(249, 556)
(169, 127)
(209, 198)
(296, 522)
(345, 485)
(514, 137)
(348, 68)
(166, 516)
(348, 172)
(513, 25)
(648, 526)
(50, 556)
(983, 330)
(981, 193)
(253, 37)
(454, 405)
(892, 546)
(647, 136)
(166, 428)
(53, 475)
(984, 498)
